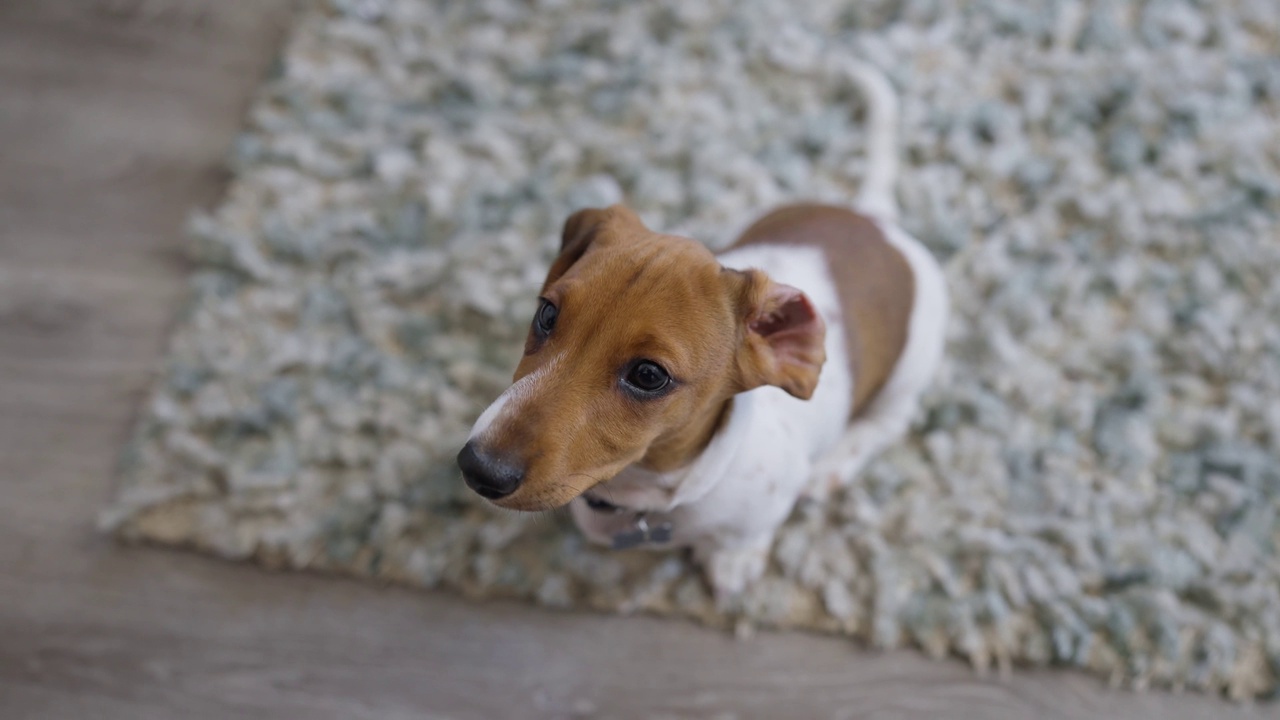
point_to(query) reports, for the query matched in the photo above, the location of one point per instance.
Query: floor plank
(168, 631)
(110, 106)
(114, 116)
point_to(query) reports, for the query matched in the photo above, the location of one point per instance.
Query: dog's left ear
(783, 335)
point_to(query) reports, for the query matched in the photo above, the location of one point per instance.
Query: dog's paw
(730, 571)
(828, 477)
(839, 467)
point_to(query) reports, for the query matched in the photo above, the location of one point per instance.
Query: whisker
(589, 476)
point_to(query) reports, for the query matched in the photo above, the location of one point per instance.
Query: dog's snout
(491, 476)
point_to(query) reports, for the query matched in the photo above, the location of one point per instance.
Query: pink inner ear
(789, 336)
(786, 317)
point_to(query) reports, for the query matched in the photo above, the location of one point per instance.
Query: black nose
(490, 476)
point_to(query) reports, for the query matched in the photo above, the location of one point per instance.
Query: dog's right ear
(583, 229)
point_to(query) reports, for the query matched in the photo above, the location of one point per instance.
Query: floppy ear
(579, 231)
(582, 229)
(783, 336)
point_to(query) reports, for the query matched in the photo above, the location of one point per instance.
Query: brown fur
(626, 293)
(874, 281)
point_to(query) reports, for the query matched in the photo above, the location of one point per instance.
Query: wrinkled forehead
(633, 265)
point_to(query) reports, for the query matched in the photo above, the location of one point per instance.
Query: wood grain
(114, 116)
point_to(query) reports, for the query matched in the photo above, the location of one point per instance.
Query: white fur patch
(514, 398)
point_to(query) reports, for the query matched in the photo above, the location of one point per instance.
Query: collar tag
(642, 534)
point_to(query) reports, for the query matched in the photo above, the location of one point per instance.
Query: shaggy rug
(1093, 480)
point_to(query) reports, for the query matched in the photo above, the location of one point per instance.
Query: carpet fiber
(1093, 481)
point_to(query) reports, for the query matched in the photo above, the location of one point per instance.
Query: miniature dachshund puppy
(673, 397)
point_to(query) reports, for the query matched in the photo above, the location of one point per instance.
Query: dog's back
(875, 284)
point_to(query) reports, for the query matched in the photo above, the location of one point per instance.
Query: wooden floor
(114, 115)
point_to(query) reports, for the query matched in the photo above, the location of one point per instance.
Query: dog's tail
(876, 197)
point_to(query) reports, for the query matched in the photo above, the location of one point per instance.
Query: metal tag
(642, 535)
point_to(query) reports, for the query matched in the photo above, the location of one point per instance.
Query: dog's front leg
(732, 568)
(866, 438)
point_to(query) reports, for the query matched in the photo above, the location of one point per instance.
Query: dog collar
(639, 531)
(642, 533)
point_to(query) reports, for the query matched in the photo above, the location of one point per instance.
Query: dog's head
(638, 341)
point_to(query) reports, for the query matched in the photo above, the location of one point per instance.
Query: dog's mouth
(531, 500)
(601, 505)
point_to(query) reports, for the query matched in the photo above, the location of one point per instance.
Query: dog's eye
(545, 320)
(648, 377)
